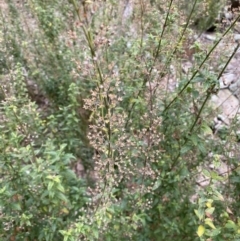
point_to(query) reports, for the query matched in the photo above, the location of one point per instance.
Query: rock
(237, 55)
(186, 67)
(233, 66)
(228, 15)
(128, 11)
(222, 119)
(237, 37)
(237, 27)
(209, 37)
(219, 124)
(79, 169)
(235, 88)
(226, 103)
(226, 80)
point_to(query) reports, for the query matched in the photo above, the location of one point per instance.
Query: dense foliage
(103, 136)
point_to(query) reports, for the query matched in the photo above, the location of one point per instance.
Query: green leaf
(210, 210)
(60, 188)
(206, 129)
(218, 196)
(156, 184)
(57, 179)
(215, 176)
(199, 213)
(202, 148)
(206, 173)
(50, 185)
(95, 233)
(198, 79)
(185, 149)
(195, 139)
(209, 222)
(230, 225)
(212, 232)
(202, 200)
(69, 174)
(184, 172)
(235, 179)
(2, 190)
(189, 89)
(195, 93)
(16, 206)
(62, 197)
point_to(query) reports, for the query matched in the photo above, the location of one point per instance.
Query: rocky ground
(226, 102)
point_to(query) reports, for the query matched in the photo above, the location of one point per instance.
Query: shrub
(100, 84)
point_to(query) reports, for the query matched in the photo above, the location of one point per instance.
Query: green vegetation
(102, 135)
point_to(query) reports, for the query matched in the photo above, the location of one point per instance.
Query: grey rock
(237, 27)
(226, 103)
(228, 15)
(128, 11)
(226, 80)
(237, 37)
(223, 119)
(233, 66)
(186, 67)
(209, 37)
(235, 88)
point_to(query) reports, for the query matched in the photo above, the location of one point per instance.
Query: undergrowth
(103, 135)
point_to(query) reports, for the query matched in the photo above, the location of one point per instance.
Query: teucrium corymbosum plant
(137, 166)
(39, 193)
(82, 86)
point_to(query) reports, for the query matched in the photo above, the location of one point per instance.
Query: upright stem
(201, 65)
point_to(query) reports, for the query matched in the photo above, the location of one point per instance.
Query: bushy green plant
(39, 192)
(115, 100)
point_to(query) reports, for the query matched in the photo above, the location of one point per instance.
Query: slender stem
(212, 88)
(107, 112)
(88, 37)
(201, 65)
(146, 79)
(158, 50)
(181, 36)
(161, 36)
(205, 101)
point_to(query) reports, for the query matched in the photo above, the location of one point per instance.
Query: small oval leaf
(200, 231)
